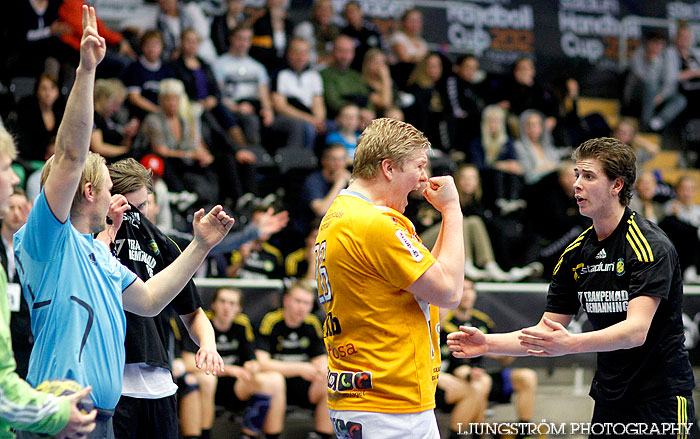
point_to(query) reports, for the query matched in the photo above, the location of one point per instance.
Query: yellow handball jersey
(382, 341)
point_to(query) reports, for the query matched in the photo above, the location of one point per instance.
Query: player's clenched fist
(441, 192)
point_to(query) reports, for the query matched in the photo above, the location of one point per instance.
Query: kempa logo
(601, 254)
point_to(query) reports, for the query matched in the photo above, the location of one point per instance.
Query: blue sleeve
(43, 233)
(128, 276)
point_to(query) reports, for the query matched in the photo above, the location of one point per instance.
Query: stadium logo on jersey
(412, 249)
(347, 430)
(597, 268)
(620, 267)
(601, 254)
(345, 381)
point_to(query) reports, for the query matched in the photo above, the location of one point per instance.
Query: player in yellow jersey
(380, 288)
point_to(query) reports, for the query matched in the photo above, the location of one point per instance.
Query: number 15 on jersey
(324, 284)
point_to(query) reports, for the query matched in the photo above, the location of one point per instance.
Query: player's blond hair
(94, 172)
(7, 144)
(386, 139)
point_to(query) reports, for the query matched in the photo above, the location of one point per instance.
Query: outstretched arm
(202, 333)
(73, 138)
(148, 299)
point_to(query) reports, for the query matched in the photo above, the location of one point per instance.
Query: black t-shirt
(145, 250)
(451, 323)
(236, 345)
(637, 259)
(290, 344)
(111, 131)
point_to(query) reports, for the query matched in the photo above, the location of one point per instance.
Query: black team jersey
(451, 323)
(290, 344)
(637, 259)
(237, 344)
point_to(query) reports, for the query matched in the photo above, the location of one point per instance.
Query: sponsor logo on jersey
(601, 254)
(602, 302)
(347, 429)
(346, 381)
(92, 259)
(595, 268)
(620, 267)
(412, 249)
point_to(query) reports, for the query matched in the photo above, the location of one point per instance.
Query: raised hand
(209, 230)
(92, 46)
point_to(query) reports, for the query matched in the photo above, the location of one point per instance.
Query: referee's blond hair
(383, 139)
(94, 172)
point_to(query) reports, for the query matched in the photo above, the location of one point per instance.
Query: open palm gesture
(211, 228)
(92, 45)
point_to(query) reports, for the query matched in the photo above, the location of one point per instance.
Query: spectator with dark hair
(342, 85)
(682, 225)
(466, 90)
(142, 78)
(320, 32)
(431, 111)
(652, 84)
(222, 25)
(365, 33)
(271, 34)
(38, 118)
(174, 17)
(297, 92)
(111, 139)
(377, 76)
(685, 59)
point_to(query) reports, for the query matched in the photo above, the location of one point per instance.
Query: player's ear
(618, 184)
(387, 167)
(88, 191)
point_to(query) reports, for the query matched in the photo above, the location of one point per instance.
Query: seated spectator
(245, 85)
(174, 17)
(407, 45)
(468, 92)
(271, 33)
(652, 84)
(348, 122)
(173, 135)
(518, 385)
(522, 91)
(320, 32)
(290, 342)
(627, 132)
(242, 384)
(536, 153)
(685, 59)
(682, 225)
(297, 92)
(431, 112)
(111, 139)
(300, 264)
(493, 153)
(321, 187)
(38, 118)
(343, 85)
(257, 258)
(222, 25)
(365, 33)
(376, 74)
(643, 200)
(142, 78)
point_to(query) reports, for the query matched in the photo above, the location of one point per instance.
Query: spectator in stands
(343, 85)
(222, 25)
(365, 33)
(297, 92)
(20, 322)
(652, 84)
(290, 342)
(300, 264)
(643, 200)
(174, 17)
(521, 91)
(321, 187)
(430, 111)
(257, 258)
(467, 92)
(271, 34)
(407, 45)
(682, 225)
(174, 135)
(245, 85)
(38, 118)
(536, 153)
(502, 386)
(348, 122)
(111, 139)
(377, 76)
(685, 60)
(320, 32)
(242, 384)
(142, 78)
(627, 132)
